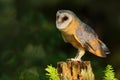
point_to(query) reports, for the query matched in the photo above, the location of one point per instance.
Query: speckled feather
(87, 37)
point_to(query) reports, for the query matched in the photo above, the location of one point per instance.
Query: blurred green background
(29, 40)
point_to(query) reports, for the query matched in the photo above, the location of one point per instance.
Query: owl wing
(88, 38)
(64, 38)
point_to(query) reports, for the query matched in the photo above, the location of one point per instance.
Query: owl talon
(74, 59)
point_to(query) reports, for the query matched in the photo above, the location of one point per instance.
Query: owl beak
(59, 21)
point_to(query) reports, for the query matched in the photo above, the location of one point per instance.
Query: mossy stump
(75, 70)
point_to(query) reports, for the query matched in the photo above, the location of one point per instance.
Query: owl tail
(98, 48)
(104, 47)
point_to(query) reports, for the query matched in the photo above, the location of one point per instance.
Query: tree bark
(75, 70)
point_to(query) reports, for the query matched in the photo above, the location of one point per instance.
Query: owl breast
(71, 39)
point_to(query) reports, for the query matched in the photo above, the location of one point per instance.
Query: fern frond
(109, 73)
(51, 73)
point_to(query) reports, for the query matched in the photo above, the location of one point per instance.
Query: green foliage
(52, 73)
(109, 73)
(29, 74)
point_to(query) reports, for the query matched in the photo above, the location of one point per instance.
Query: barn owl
(79, 34)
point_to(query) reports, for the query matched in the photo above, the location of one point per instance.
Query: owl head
(64, 18)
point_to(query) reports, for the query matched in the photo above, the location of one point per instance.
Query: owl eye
(64, 18)
(57, 17)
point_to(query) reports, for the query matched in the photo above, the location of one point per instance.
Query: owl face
(63, 19)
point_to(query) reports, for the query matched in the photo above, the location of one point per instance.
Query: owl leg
(80, 53)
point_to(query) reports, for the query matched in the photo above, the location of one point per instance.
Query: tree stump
(75, 70)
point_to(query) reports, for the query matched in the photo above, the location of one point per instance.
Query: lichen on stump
(75, 70)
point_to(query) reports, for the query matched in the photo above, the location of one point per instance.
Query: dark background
(29, 40)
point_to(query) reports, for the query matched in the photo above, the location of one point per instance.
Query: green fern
(109, 73)
(52, 73)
